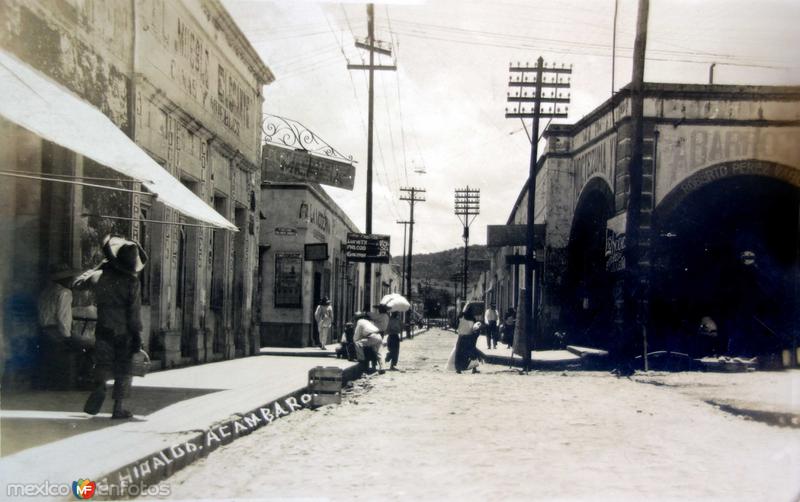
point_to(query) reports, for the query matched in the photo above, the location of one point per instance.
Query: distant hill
(439, 268)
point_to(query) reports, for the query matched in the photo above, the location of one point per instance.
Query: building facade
(296, 215)
(182, 82)
(721, 174)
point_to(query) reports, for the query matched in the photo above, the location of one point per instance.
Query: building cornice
(237, 40)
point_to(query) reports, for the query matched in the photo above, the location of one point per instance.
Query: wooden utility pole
(403, 270)
(412, 195)
(537, 77)
(372, 46)
(467, 208)
(635, 281)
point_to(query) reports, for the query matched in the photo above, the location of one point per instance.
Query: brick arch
(586, 290)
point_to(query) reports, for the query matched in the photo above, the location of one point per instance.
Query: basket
(140, 364)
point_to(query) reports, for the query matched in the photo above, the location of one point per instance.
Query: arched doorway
(726, 250)
(588, 301)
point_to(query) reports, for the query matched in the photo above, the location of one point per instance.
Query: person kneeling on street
(368, 341)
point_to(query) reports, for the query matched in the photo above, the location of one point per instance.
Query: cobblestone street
(430, 434)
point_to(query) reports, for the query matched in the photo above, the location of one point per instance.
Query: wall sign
(288, 280)
(615, 243)
(285, 231)
(316, 252)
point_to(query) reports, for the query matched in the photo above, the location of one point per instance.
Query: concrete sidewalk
(181, 414)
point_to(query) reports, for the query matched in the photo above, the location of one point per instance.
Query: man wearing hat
(324, 317)
(491, 317)
(55, 320)
(119, 326)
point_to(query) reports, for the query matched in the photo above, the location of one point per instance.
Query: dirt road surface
(425, 433)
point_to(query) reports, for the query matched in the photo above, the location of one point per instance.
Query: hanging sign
(513, 235)
(284, 164)
(367, 248)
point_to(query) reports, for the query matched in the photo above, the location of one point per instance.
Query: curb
(132, 479)
(535, 365)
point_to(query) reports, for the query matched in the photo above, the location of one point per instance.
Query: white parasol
(396, 302)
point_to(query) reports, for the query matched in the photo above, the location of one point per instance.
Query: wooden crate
(325, 385)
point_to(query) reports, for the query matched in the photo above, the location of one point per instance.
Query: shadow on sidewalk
(38, 417)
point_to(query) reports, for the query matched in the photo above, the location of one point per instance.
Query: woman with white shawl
(465, 355)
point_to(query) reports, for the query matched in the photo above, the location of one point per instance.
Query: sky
(439, 119)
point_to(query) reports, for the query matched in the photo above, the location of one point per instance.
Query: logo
(84, 489)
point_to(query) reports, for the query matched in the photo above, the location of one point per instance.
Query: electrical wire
(396, 46)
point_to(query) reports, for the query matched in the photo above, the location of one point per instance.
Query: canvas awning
(44, 107)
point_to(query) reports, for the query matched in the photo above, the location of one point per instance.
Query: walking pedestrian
(465, 355)
(491, 317)
(324, 318)
(393, 342)
(508, 326)
(118, 333)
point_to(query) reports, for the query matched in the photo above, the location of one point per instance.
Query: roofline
(320, 193)
(249, 54)
(686, 91)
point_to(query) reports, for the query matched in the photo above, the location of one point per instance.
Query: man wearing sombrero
(119, 324)
(55, 320)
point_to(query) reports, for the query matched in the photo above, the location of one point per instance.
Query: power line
(423, 35)
(399, 100)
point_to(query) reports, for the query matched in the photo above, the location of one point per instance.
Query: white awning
(44, 107)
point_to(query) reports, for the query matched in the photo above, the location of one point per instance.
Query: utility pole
(468, 206)
(403, 270)
(412, 195)
(635, 281)
(537, 78)
(372, 46)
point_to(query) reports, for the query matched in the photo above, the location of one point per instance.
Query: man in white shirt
(490, 318)
(324, 318)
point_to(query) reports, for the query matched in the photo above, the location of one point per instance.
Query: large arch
(701, 228)
(587, 300)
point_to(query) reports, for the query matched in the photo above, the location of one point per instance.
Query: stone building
(297, 215)
(721, 177)
(183, 83)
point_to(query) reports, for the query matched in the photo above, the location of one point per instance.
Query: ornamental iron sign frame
(292, 152)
